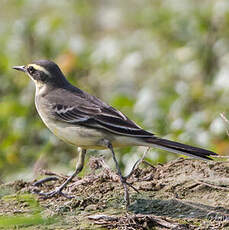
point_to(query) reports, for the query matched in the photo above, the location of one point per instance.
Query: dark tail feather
(180, 148)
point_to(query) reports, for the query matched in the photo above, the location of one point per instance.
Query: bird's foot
(125, 185)
(47, 179)
(56, 192)
(124, 181)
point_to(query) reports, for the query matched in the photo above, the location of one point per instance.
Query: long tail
(180, 148)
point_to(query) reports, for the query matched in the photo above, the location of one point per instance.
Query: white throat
(40, 87)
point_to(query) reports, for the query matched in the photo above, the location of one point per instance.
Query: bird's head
(43, 72)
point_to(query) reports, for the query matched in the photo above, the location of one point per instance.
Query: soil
(182, 194)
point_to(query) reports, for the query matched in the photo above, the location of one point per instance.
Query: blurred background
(165, 64)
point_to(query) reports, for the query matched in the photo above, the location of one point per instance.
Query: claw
(42, 181)
(57, 192)
(124, 181)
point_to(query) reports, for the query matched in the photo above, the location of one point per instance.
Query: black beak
(20, 68)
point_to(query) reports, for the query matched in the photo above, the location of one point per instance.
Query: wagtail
(85, 121)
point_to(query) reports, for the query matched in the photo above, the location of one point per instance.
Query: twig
(211, 185)
(137, 163)
(148, 164)
(49, 173)
(226, 121)
(133, 221)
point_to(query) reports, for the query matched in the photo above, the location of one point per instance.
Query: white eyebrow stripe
(40, 68)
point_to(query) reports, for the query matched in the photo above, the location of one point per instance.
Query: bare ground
(182, 194)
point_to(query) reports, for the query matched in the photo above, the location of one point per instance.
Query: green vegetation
(27, 212)
(163, 63)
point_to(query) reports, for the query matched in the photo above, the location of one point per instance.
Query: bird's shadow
(175, 208)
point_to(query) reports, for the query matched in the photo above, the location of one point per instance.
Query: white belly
(76, 135)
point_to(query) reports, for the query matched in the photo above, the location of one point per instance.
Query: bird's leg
(58, 190)
(122, 178)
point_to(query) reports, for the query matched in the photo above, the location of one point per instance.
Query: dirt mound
(182, 194)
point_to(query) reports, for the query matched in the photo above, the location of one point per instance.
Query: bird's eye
(31, 70)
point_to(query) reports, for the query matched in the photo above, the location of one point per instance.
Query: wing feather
(106, 118)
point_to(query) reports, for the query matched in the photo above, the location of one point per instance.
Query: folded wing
(106, 118)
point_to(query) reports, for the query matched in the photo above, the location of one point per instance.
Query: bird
(87, 122)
